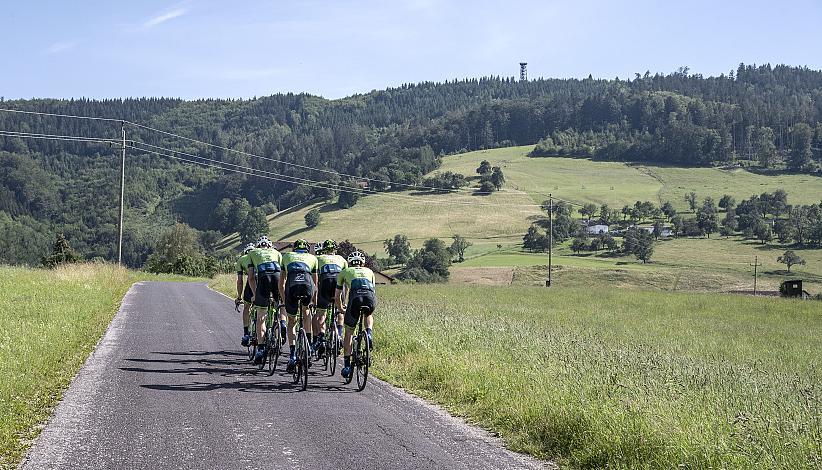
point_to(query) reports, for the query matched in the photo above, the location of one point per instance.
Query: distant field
(597, 378)
(617, 184)
(50, 322)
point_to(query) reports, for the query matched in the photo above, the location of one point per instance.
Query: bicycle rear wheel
(273, 348)
(363, 360)
(296, 373)
(333, 350)
(302, 360)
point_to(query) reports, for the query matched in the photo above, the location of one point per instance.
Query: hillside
(695, 263)
(280, 151)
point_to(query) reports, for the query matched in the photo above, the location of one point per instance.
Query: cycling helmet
(318, 248)
(356, 259)
(264, 242)
(248, 248)
(301, 245)
(329, 246)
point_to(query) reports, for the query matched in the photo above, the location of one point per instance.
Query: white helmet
(248, 248)
(264, 242)
(356, 259)
(318, 248)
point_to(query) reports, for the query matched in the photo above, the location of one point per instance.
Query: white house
(597, 229)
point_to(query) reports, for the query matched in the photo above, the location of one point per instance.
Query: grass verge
(615, 379)
(50, 321)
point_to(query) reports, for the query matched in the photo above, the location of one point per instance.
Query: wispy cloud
(60, 46)
(167, 15)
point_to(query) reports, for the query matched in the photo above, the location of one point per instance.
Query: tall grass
(50, 321)
(624, 379)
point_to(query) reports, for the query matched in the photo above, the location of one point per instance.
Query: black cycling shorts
(356, 301)
(247, 294)
(267, 287)
(328, 287)
(298, 285)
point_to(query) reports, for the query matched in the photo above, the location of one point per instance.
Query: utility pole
(550, 236)
(755, 265)
(122, 193)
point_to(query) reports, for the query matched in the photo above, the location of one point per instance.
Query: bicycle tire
(274, 346)
(295, 374)
(363, 361)
(333, 352)
(252, 342)
(354, 358)
(303, 361)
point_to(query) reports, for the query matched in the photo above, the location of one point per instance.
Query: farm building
(596, 229)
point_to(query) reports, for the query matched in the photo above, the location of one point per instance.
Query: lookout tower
(523, 71)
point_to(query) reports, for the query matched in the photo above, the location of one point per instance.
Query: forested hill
(766, 114)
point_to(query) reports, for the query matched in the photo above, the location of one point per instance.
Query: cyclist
(266, 262)
(329, 265)
(298, 280)
(358, 282)
(244, 295)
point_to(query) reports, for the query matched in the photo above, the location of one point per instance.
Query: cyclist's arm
(316, 287)
(239, 285)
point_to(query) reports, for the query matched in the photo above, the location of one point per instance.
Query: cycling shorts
(328, 287)
(267, 287)
(298, 285)
(357, 300)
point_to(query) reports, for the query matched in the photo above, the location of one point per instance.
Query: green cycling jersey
(299, 261)
(265, 257)
(241, 264)
(356, 278)
(331, 264)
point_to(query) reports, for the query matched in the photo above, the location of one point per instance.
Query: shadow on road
(226, 370)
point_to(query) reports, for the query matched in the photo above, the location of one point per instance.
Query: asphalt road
(169, 387)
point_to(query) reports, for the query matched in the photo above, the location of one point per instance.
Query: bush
(312, 218)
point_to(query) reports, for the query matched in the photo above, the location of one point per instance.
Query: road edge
(80, 389)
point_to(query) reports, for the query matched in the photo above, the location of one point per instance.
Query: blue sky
(210, 48)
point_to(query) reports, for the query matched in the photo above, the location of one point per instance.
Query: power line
(171, 134)
(68, 138)
(91, 118)
(306, 167)
(246, 170)
(302, 181)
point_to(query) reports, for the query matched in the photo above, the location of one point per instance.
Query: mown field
(50, 322)
(613, 378)
(617, 184)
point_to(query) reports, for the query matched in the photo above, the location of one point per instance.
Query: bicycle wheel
(363, 361)
(273, 348)
(355, 357)
(302, 361)
(252, 342)
(333, 349)
(295, 374)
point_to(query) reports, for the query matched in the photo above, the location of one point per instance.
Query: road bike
(302, 349)
(252, 330)
(272, 338)
(332, 342)
(361, 355)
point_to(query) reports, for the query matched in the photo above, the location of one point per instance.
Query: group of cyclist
(319, 283)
